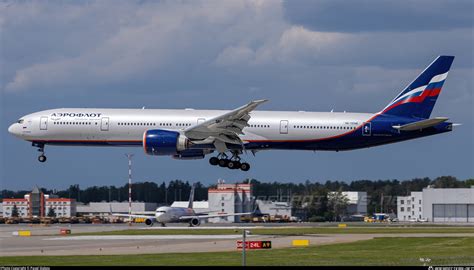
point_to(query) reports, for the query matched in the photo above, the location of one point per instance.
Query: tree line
(381, 193)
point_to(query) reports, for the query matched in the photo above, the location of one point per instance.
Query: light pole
(129, 156)
(244, 236)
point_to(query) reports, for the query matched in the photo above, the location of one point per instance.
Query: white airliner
(192, 134)
(167, 214)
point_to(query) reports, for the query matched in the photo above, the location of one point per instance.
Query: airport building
(438, 205)
(410, 207)
(105, 208)
(38, 204)
(61, 207)
(235, 198)
(229, 199)
(357, 202)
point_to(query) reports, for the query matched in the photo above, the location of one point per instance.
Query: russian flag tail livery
(419, 97)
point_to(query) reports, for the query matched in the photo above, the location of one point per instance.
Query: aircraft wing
(421, 124)
(224, 128)
(213, 216)
(132, 215)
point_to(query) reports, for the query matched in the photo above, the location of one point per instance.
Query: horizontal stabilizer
(421, 124)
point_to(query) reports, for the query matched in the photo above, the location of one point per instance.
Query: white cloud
(95, 45)
(133, 40)
(235, 56)
(300, 43)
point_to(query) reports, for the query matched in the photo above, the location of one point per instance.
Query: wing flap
(226, 127)
(421, 124)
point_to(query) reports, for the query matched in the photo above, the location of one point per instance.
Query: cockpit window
(161, 211)
(21, 121)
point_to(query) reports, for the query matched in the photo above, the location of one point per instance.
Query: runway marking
(147, 237)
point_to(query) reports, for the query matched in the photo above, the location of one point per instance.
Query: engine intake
(194, 222)
(149, 222)
(158, 142)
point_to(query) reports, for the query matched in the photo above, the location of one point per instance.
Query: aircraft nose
(11, 129)
(159, 216)
(14, 129)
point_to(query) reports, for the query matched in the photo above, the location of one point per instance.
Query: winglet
(259, 101)
(253, 104)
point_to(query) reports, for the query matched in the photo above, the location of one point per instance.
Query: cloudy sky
(350, 56)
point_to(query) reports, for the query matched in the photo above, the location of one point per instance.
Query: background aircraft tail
(191, 197)
(419, 97)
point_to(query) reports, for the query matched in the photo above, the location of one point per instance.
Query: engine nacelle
(149, 222)
(195, 222)
(158, 142)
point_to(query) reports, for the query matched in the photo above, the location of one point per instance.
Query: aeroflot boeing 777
(192, 134)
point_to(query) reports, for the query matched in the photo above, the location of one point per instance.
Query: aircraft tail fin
(191, 197)
(419, 97)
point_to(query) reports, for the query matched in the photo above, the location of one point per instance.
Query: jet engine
(158, 142)
(149, 222)
(195, 222)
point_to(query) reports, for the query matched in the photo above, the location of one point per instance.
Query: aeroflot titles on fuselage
(76, 114)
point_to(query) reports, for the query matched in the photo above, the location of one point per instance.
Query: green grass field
(378, 251)
(290, 231)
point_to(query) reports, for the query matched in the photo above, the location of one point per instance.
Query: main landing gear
(42, 158)
(233, 163)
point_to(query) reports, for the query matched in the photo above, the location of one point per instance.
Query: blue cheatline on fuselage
(381, 133)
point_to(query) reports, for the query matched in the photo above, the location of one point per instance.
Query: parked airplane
(167, 214)
(192, 134)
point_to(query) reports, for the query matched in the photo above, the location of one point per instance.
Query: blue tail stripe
(441, 65)
(419, 103)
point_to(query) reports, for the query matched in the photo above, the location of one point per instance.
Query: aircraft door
(200, 120)
(367, 129)
(104, 125)
(284, 127)
(43, 123)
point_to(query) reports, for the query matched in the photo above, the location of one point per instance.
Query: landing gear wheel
(223, 162)
(214, 161)
(42, 158)
(233, 165)
(245, 166)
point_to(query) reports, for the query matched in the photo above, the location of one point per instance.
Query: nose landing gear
(233, 163)
(41, 158)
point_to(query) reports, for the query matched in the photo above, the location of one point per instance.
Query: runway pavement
(47, 241)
